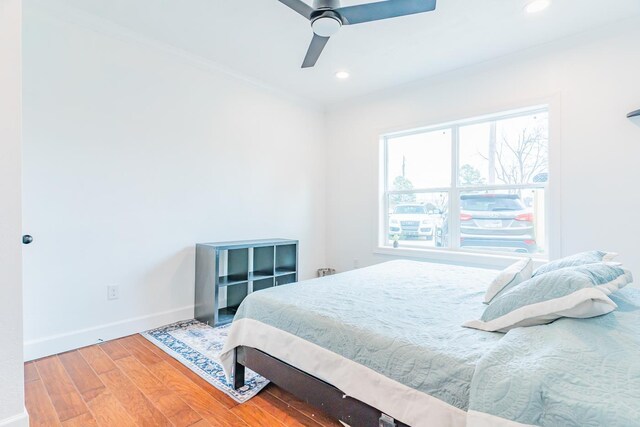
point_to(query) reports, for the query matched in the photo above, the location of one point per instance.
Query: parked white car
(411, 220)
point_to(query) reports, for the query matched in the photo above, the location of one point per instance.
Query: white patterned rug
(197, 346)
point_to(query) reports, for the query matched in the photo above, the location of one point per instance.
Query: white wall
(134, 152)
(12, 412)
(592, 81)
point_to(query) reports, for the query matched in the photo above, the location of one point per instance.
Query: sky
(428, 155)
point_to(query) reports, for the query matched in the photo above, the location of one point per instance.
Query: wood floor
(130, 382)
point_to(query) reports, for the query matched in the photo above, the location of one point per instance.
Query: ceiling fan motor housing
(326, 24)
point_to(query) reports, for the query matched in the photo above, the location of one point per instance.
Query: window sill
(459, 257)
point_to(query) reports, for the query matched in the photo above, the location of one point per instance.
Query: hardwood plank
(303, 407)
(84, 420)
(285, 413)
(108, 411)
(141, 352)
(168, 402)
(132, 400)
(253, 415)
(151, 346)
(30, 372)
(39, 406)
(97, 359)
(201, 423)
(83, 377)
(202, 402)
(221, 397)
(65, 398)
(114, 350)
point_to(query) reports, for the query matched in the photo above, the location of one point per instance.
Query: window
(477, 185)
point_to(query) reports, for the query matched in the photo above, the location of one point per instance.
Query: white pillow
(509, 277)
(577, 292)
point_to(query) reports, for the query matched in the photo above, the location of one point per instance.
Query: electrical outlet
(113, 292)
(356, 263)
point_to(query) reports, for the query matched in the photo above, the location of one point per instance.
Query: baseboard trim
(19, 420)
(59, 343)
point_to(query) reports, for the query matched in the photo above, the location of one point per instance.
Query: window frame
(454, 252)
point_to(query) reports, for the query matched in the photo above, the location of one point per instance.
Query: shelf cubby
(226, 314)
(263, 260)
(259, 285)
(286, 279)
(236, 267)
(235, 294)
(286, 259)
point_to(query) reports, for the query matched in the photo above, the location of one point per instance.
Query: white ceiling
(266, 41)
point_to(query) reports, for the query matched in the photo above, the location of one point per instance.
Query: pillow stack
(577, 286)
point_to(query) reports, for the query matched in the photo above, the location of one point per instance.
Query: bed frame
(310, 389)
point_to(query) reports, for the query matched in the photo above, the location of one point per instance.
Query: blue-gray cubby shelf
(226, 272)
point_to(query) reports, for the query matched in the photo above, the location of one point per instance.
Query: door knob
(26, 239)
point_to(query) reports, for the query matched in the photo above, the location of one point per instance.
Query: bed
(384, 344)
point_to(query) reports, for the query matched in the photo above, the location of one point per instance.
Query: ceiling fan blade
(383, 10)
(299, 6)
(315, 49)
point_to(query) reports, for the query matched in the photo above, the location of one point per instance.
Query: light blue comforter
(573, 372)
(403, 319)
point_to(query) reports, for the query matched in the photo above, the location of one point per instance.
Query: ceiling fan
(327, 17)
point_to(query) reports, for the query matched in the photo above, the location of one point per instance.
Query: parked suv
(495, 222)
(411, 221)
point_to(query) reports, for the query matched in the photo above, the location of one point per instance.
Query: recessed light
(342, 75)
(537, 6)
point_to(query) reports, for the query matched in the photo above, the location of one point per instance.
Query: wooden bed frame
(310, 389)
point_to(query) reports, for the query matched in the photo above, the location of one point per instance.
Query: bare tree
(519, 158)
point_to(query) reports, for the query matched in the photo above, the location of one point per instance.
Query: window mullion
(385, 202)
(454, 196)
